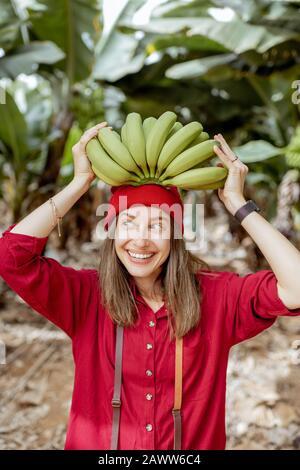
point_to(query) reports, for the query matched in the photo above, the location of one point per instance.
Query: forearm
(39, 223)
(282, 256)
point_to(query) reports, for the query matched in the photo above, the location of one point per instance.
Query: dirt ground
(263, 379)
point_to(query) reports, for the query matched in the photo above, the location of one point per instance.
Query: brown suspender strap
(116, 401)
(178, 394)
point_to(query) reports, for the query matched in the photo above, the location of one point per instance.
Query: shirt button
(148, 372)
(149, 346)
(151, 323)
(149, 396)
(149, 427)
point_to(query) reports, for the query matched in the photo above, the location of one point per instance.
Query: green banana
(216, 185)
(117, 151)
(201, 138)
(124, 135)
(106, 165)
(147, 126)
(157, 137)
(196, 178)
(176, 144)
(117, 135)
(177, 126)
(206, 163)
(104, 177)
(136, 140)
(189, 158)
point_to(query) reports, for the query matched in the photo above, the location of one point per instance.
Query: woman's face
(143, 230)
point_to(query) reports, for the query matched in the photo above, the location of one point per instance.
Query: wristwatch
(246, 209)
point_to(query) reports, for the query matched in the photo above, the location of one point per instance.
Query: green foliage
(231, 69)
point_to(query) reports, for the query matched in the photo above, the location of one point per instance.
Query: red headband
(146, 194)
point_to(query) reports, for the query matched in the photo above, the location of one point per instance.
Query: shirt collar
(162, 312)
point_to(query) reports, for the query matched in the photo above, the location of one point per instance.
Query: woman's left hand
(232, 193)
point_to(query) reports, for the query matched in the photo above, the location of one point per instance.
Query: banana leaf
(13, 130)
(257, 151)
(25, 58)
(73, 25)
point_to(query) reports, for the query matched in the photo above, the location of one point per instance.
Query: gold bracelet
(55, 214)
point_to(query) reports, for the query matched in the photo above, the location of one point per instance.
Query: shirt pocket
(198, 373)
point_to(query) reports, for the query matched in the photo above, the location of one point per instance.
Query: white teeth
(138, 255)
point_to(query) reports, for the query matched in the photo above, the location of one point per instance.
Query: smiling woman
(144, 253)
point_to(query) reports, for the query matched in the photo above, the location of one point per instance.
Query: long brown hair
(181, 286)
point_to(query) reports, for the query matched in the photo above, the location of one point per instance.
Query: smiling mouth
(139, 258)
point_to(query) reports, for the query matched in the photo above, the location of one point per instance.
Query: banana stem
(146, 181)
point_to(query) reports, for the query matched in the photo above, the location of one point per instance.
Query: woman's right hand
(82, 166)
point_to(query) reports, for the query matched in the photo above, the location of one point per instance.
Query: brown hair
(178, 278)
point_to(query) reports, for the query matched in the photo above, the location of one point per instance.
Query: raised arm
(39, 223)
(281, 254)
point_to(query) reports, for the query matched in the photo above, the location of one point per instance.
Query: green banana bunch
(189, 158)
(197, 178)
(156, 150)
(175, 144)
(157, 137)
(106, 168)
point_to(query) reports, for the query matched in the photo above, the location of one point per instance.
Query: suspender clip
(116, 403)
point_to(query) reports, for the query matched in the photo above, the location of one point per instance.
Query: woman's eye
(126, 222)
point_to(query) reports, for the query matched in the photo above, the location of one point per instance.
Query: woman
(155, 301)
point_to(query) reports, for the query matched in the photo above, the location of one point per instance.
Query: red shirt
(234, 308)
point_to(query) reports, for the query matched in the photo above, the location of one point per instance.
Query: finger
(97, 126)
(237, 164)
(101, 124)
(223, 157)
(95, 129)
(224, 144)
(87, 136)
(221, 144)
(227, 152)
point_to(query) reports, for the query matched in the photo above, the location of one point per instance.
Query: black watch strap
(246, 209)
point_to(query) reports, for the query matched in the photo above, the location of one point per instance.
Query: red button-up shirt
(234, 308)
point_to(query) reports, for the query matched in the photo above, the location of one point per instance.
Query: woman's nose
(142, 234)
